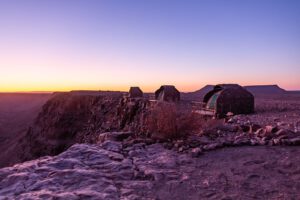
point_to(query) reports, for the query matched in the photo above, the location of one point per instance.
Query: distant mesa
(94, 93)
(167, 93)
(254, 89)
(205, 90)
(265, 89)
(198, 94)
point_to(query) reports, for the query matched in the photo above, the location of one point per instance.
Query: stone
(295, 141)
(271, 129)
(254, 142)
(281, 124)
(195, 152)
(276, 141)
(210, 146)
(254, 128)
(231, 120)
(180, 149)
(260, 132)
(280, 132)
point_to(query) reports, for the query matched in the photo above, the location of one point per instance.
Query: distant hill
(257, 90)
(265, 89)
(197, 95)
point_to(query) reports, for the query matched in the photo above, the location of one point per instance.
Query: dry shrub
(169, 121)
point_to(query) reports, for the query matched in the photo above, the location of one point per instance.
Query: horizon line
(106, 90)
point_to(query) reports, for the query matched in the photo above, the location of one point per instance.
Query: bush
(170, 121)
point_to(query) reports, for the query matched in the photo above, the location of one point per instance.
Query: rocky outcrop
(70, 118)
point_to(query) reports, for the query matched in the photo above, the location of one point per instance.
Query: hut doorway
(212, 103)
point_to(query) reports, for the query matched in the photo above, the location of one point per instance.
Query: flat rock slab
(109, 171)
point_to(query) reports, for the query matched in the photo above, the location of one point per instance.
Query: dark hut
(167, 93)
(227, 98)
(135, 92)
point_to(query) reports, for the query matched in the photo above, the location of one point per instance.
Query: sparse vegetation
(276, 105)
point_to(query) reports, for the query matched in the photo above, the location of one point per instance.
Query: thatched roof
(167, 93)
(135, 92)
(226, 98)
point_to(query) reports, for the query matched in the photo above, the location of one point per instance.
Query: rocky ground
(114, 170)
(287, 120)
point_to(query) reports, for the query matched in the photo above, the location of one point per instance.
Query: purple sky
(110, 44)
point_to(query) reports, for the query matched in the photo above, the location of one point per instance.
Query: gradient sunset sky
(113, 44)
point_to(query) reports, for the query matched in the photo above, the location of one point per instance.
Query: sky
(61, 45)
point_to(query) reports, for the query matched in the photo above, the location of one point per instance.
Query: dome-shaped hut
(167, 93)
(135, 92)
(225, 98)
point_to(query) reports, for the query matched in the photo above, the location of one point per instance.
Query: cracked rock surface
(113, 171)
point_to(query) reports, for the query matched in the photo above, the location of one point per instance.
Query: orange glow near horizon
(32, 78)
(146, 88)
(67, 78)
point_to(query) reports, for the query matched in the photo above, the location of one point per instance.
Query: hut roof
(225, 87)
(135, 92)
(167, 93)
